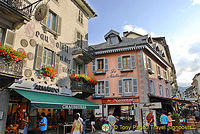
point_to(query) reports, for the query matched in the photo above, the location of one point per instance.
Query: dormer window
(113, 37)
(114, 40)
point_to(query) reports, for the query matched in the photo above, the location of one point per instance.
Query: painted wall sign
(73, 107)
(46, 88)
(154, 105)
(120, 100)
(114, 75)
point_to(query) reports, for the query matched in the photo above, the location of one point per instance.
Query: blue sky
(177, 20)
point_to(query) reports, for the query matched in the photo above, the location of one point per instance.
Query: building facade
(130, 71)
(54, 37)
(195, 85)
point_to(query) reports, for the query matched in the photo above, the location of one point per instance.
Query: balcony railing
(10, 69)
(22, 6)
(81, 86)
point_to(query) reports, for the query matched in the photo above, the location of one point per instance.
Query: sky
(177, 20)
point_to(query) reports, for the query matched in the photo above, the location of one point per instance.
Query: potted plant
(49, 71)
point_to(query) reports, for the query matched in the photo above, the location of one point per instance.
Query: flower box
(83, 77)
(49, 71)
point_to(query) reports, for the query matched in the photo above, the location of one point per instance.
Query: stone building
(53, 34)
(131, 71)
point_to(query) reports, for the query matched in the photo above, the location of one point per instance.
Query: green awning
(45, 100)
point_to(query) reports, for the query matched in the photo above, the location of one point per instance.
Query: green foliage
(176, 118)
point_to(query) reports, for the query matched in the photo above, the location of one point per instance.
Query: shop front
(58, 108)
(125, 109)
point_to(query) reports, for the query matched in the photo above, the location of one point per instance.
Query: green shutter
(38, 57)
(59, 23)
(106, 64)
(120, 86)
(107, 88)
(93, 65)
(133, 65)
(10, 36)
(135, 86)
(119, 62)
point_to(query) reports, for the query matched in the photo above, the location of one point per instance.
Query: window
(47, 57)
(158, 70)
(149, 65)
(80, 16)
(1, 35)
(161, 90)
(100, 64)
(51, 21)
(114, 40)
(167, 92)
(79, 38)
(126, 62)
(165, 74)
(151, 87)
(79, 68)
(100, 87)
(128, 88)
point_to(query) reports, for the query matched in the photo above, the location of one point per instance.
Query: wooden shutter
(56, 61)
(106, 64)
(120, 86)
(93, 66)
(107, 87)
(38, 57)
(135, 86)
(133, 65)
(44, 21)
(58, 25)
(10, 36)
(119, 62)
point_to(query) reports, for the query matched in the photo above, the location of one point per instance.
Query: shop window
(51, 21)
(80, 17)
(47, 57)
(126, 62)
(151, 87)
(158, 70)
(161, 90)
(100, 87)
(128, 86)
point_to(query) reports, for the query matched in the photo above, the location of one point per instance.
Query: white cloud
(140, 30)
(128, 28)
(195, 2)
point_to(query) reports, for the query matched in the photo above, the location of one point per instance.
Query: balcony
(15, 13)
(82, 53)
(82, 86)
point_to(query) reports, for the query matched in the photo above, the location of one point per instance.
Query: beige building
(196, 86)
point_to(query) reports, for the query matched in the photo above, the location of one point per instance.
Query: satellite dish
(41, 12)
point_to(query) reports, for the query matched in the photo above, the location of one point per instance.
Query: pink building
(131, 70)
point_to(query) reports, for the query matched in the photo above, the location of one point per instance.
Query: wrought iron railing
(22, 6)
(9, 68)
(82, 86)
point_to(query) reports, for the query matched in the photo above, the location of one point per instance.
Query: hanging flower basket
(83, 77)
(49, 71)
(11, 54)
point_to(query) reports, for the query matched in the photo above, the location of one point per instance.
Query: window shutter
(106, 64)
(96, 89)
(86, 69)
(44, 21)
(93, 66)
(56, 62)
(38, 57)
(147, 63)
(119, 62)
(153, 86)
(107, 87)
(10, 36)
(133, 65)
(59, 22)
(120, 86)
(135, 86)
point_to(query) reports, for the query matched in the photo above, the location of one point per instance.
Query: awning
(45, 100)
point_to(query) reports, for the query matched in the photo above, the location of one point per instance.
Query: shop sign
(120, 100)
(45, 88)
(1, 115)
(154, 105)
(73, 107)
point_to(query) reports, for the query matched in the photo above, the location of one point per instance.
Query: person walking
(164, 123)
(170, 121)
(76, 127)
(92, 120)
(111, 122)
(43, 124)
(81, 122)
(26, 121)
(150, 121)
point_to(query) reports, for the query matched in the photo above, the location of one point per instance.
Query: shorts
(92, 123)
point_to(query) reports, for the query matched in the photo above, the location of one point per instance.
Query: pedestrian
(92, 120)
(26, 121)
(81, 122)
(43, 124)
(170, 121)
(150, 121)
(196, 114)
(164, 123)
(111, 122)
(76, 127)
